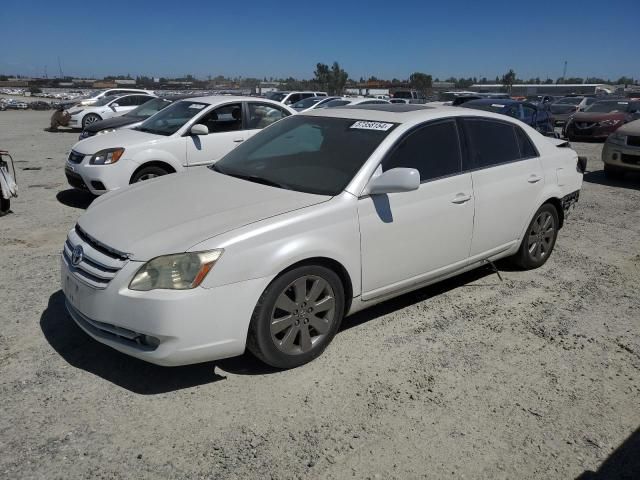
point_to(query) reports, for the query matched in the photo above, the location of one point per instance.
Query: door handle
(238, 140)
(533, 178)
(461, 198)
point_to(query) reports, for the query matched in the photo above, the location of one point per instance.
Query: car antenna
(494, 268)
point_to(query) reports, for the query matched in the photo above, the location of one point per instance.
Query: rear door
(226, 131)
(507, 181)
(409, 237)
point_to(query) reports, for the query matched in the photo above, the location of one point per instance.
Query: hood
(598, 116)
(115, 122)
(631, 128)
(121, 138)
(171, 214)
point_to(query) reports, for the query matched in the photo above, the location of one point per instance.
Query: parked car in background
(399, 100)
(528, 113)
(456, 102)
(621, 151)
(316, 217)
(312, 103)
(113, 92)
(132, 118)
(541, 99)
(16, 105)
(104, 108)
(39, 105)
(187, 133)
(344, 101)
(601, 119)
(412, 96)
(289, 98)
(562, 109)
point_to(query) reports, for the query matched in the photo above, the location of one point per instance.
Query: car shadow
(631, 180)
(75, 198)
(623, 463)
(137, 376)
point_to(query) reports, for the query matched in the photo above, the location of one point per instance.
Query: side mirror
(394, 181)
(199, 129)
(114, 106)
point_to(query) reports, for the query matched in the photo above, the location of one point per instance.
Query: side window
(139, 100)
(123, 101)
(262, 115)
(227, 118)
(296, 97)
(491, 142)
(590, 100)
(433, 150)
(527, 149)
(529, 113)
(306, 95)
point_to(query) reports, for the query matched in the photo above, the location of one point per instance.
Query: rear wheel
(5, 205)
(89, 119)
(297, 316)
(147, 173)
(612, 172)
(539, 238)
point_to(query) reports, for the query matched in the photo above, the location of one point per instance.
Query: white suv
(289, 98)
(196, 131)
(314, 218)
(111, 92)
(106, 107)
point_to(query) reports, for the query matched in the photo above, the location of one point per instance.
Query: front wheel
(539, 238)
(89, 119)
(147, 173)
(5, 205)
(297, 316)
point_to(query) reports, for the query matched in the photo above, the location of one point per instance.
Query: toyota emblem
(76, 256)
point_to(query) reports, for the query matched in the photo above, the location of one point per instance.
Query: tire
(539, 238)
(613, 173)
(297, 316)
(147, 173)
(89, 119)
(5, 205)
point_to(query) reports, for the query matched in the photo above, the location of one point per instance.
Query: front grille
(630, 159)
(75, 180)
(98, 265)
(633, 141)
(75, 157)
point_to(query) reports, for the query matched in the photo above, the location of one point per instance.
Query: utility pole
(564, 71)
(60, 69)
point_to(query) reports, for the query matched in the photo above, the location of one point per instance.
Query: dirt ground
(537, 376)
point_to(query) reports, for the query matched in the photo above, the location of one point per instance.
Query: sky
(461, 38)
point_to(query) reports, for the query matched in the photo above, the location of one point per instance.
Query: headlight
(609, 123)
(107, 157)
(76, 112)
(617, 138)
(107, 130)
(181, 271)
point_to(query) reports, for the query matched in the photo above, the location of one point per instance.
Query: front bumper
(75, 122)
(593, 133)
(621, 156)
(164, 327)
(99, 179)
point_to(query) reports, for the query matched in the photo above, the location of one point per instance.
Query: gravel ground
(537, 376)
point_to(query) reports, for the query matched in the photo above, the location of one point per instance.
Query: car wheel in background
(5, 204)
(539, 238)
(147, 173)
(89, 119)
(612, 172)
(297, 316)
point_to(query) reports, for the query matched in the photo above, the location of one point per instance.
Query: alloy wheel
(541, 236)
(302, 315)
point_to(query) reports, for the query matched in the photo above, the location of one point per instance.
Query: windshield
(149, 108)
(608, 107)
(308, 154)
(104, 100)
(307, 102)
(276, 96)
(336, 103)
(402, 94)
(169, 120)
(570, 100)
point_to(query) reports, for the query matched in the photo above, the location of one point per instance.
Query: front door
(410, 237)
(226, 131)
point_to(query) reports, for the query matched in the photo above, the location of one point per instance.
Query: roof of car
(213, 99)
(490, 101)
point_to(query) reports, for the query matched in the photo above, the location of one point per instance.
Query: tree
(322, 75)
(420, 81)
(508, 79)
(338, 79)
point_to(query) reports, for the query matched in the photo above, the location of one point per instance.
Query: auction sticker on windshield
(380, 126)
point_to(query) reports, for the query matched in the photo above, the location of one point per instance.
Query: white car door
(409, 237)
(260, 115)
(507, 181)
(225, 133)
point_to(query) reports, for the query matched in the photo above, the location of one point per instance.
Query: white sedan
(191, 132)
(106, 107)
(316, 217)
